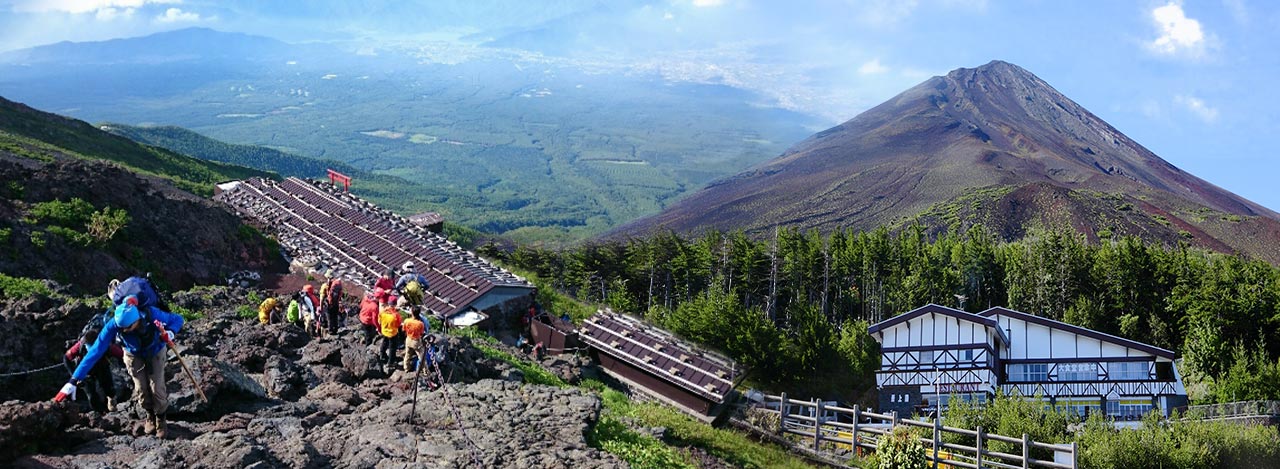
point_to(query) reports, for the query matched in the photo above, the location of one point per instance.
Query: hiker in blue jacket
(139, 329)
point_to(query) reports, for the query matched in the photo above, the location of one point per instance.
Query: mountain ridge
(993, 126)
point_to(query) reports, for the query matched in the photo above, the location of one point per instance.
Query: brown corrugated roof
(661, 354)
(360, 241)
(426, 218)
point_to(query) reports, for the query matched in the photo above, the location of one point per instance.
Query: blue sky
(1194, 81)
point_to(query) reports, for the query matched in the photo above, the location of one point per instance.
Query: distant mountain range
(394, 190)
(172, 46)
(38, 135)
(993, 145)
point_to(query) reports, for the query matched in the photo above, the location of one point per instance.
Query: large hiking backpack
(335, 292)
(139, 287)
(94, 327)
(413, 292)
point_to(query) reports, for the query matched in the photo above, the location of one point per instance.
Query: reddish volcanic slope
(994, 145)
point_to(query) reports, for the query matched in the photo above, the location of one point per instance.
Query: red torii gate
(335, 177)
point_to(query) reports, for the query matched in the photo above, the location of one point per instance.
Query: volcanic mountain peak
(996, 126)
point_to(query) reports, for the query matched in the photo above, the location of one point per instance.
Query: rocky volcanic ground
(278, 398)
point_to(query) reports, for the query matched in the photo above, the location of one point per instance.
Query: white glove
(169, 336)
(68, 390)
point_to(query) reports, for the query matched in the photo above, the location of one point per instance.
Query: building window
(1124, 371)
(1078, 372)
(926, 357)
(1082, 407)
(1164, 371)
(968, 355)
(1129, 409)
(1029, 372)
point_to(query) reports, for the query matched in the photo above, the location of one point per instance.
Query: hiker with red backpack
(144, 330)
(99, 387)
(310, 304)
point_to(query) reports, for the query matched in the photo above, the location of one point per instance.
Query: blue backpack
(139, 287)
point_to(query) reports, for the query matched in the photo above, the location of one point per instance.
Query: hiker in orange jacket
(414, 328)
(369, 318)
(389, 326)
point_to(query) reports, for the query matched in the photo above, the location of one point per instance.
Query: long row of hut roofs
(321, 223)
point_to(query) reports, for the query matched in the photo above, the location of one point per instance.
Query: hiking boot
(149, 426)
(162, 425)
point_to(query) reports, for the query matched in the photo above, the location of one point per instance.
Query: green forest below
(795, 309)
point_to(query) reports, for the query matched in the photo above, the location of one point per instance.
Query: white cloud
(111, 13)
(1197, 107)
(708, 3)
(176, 15)
(872, 67)
(1178, 33)
(83, 6)
(668, 16)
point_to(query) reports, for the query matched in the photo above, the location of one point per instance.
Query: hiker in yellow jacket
(389, 327)
(269, 311)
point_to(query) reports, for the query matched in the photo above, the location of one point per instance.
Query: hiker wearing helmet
(140, 329)
(410, 286)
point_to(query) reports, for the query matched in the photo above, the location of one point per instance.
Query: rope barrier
(50, 367)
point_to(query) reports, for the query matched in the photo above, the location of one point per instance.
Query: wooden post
(978, 444)
(856, 449)
(1074, 452)
(893, 420)
(782, 414)
(817, 424)
(1026, 451)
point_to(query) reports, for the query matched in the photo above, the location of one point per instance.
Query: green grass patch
(22, 287)
(533, 373)
(186, 313)
(733, 447)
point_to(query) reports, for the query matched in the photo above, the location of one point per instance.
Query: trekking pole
(413, 409)
(176, 353)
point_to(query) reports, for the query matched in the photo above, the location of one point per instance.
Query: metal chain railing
(457, 416)
(17, 373)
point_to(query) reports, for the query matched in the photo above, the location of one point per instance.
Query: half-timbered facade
(934, 353)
